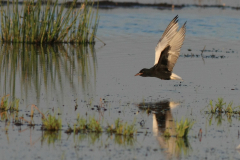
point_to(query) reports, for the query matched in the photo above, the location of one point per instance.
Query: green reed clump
(218, 106)
(5, 105)
(50, 23)
(122, 128)
(81, 125)
(221, 107)
(94, 125)
(183, 127)
(52, 123)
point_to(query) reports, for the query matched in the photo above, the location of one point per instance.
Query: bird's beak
(138, 74)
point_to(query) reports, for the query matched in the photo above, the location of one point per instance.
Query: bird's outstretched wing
(175, 46)
(171, 52)
(167, 36)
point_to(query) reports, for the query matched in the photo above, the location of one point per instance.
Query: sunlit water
(73, 80)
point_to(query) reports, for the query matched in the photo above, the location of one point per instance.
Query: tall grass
(6, 105)
(50, 23)
(222, 107)
(183, 127)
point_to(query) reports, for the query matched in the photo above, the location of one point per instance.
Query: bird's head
(144, 72)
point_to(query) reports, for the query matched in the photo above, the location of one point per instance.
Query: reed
(6, 105)
(183, 127)
(48, 23)
(222, 107)
(122, 128)
(94, 125)
(52, 123)
(81, 125)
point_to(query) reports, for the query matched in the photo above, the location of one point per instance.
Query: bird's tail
(175, 77)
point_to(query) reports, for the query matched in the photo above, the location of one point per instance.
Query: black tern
(167, 53)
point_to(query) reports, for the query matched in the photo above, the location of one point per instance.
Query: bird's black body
(159, 70)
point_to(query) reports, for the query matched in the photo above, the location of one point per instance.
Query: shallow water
(57, 78)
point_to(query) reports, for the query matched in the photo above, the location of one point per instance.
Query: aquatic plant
(183, 127)
(122, 128)
(222, 107)
(94, 125)
(52, 123)
(81, 124)
(38, 23)
(218, 107)
(5, 105)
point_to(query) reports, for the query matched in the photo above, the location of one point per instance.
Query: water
(69, 80)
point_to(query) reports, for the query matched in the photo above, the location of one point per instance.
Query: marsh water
(67, 80)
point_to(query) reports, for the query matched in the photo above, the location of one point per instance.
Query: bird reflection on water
(163, 120)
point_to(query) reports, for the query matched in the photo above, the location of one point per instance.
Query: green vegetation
(81, 125)
(183, 128)
(218, 106)
(222, 107)
(5, 105)
(50, 23)
(122, 128)
(94, 125)
(219, 109)
(52, 123)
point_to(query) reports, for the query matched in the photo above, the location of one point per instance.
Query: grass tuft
(5, 105)
(222, 107)
(52, 123)
(183, 128)
(94, 125)
(122, 128)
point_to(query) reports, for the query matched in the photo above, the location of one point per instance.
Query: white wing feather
(167, 36)
(175, 46)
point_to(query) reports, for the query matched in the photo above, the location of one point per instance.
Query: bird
(167, 52)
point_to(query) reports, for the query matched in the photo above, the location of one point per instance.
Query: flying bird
(167, 53)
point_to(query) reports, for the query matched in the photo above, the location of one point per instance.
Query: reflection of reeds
(93, 137)
(37, 23)
(52, 66)
(50, 137)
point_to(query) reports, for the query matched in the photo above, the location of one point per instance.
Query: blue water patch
(200, 22)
